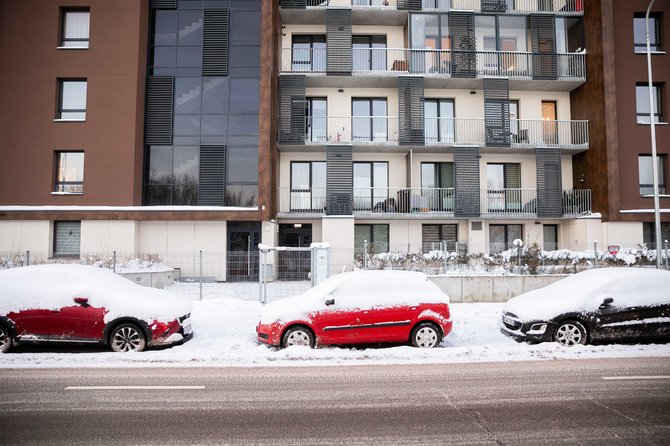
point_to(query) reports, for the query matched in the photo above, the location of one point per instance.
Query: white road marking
(622, 378)
(134, 387)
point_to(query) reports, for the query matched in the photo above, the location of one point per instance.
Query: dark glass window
(369, 53)
(371, 180)
(75, 28)
(187, 95)
(369, 120)
(308, 53)
(437, 187)
(430, 32)
(550, 236)
(69, 172)
(316, 114)
(190, 28)
(173, 175)
(308, 185)
(242, 165)
(640, 32)
(644, 111)
(165, 27)
(215, 97)
(72, 104)
(501, 237)
(649, 234)
(432, 235)
(377, 237)
(244, 95)
(645, 170)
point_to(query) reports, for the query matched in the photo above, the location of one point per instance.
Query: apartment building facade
(407, 123)
(138, 127)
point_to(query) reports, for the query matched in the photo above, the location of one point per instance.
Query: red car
(365, 307)
(85, 304)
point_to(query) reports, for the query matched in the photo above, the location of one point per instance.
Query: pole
(595, 252)
(201, 275)
(666, 255)
(114, 261)
(27, 258)
(654, 162)
(365, 254)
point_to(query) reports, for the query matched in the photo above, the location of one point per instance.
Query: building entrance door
(242, 255)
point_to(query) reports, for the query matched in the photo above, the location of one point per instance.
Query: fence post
(261, 277)
(666, 255)
(365, 254)
(595, 253)
(27, 258)
(200, 279)
(114, 261)
(444, 255)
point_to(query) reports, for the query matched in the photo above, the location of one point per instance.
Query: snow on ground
(224, 336)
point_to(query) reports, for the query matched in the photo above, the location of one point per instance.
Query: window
(316, 113)
(72, 105)
(369, 53)
(430, 32)
(308, 53)
(649, 234)
(67, 238)
(69, 172)
(172, 176)
(439, 120)
(550, 235)
(640, 32)
(644, 111)
(432, 235)
(501, 237)
(75, 29)
(308, 186)
(437, 187)
(369, 120)
(645, 169)
(377, 237)
(371, 187)
(503, 181)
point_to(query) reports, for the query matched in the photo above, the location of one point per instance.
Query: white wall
(105, 236)
(18, 236)
(339, 232)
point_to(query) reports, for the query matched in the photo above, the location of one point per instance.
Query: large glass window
(316, 113)
(308, 185)
(649, 234)
(503, 183)
(645, 170)
(369, 120)
(501, 237)
(241, 176)
(369, 53)
(500, 37)
(439, 120)
(308, 53)
(640, 32)
(437, 187)
(72, 103)
(377, 237)
(172, 175)
(431, 43)
(371, 186)
(644, 111)
(550, 236)
(75, 28)
(69, 172)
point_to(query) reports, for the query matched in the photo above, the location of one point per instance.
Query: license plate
(508, 321)
(186, 326)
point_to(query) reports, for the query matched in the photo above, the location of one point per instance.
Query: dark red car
(366, 307)
(85, 304)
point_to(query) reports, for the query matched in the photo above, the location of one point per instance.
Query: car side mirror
(606, 302)
(83, 301)
(330, 302)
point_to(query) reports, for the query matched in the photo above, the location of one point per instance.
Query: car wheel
(426, 335)
(298, 335)
(570, 333)
(127, 338)
(5, 339)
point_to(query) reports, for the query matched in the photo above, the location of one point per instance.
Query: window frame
(662, 183)
(374, 120)
(299, 196)
(448, 126)
(372, 243)
(377, 194)
(655, 43)
(62, 39)
(60, 186)
(659, 87)
(61, 109)
(507, 242)
(317, 55)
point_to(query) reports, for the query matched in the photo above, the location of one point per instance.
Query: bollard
(114, 261)
(595, 253)
(365, 254)
(666, 255)
(27, 258)
(200, 275)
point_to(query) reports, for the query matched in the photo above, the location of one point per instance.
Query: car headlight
(537, 329)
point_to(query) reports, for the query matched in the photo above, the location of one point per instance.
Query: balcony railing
(375, 61)
(380, 201)
(559, 7)
(446, 131)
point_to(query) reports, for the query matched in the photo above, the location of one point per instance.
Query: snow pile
(52, 287)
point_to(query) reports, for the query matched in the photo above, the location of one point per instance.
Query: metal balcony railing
(545, 133)
(351, 129)
(376, 61)
(560, 7)
(493, 203)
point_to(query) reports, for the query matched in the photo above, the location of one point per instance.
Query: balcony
(426, 203)
(522, 68)
(523, 134)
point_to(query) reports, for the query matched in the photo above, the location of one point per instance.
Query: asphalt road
(541, 402)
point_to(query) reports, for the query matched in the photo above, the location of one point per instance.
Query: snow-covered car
(608, 304)
(363, 307)
(85, 304)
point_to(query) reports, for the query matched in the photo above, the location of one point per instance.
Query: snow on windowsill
(67, 193)
(72, 47)
(69, 120)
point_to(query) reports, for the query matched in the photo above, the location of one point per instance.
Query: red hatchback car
(85, 304)
(365, 307)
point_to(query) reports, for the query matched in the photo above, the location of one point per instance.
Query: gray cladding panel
(338, 42)
(496, 112)
(549, 184)
(164, 4)
(159, 97)
(292, 110)
(410, 5)
(211, 187)
(543, 45)
(463, 55)
(339, 180)
(215, 42)
(411, 110)
(466, 181)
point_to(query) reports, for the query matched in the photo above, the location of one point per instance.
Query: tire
(127, 337)
(570, 333)
(426, 335)
(298, 335)
(5, 339)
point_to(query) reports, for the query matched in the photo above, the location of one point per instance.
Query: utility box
(320, 262)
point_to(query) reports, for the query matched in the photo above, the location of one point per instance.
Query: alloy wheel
(127, 339)
(569, 334)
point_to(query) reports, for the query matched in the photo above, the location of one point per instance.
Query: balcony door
(308, 186)
(439, 121)
(316, 115)
(369, 53)
(308, 53)
(549, 123)
(371, 191)
(369, 120)
(437, 187)
(503, 182)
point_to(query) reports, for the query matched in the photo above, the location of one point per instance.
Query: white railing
(513, 64)
(358, 129)
(561, 7)
(545, 133)
(494, 203)
(450, 131)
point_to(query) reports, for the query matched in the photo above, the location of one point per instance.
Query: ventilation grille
(494, 5)
(338, 42)
(543, 44)
(215, 43)
(294, 4)
(409, 5)
(158, 128)
(164, 4)
(292, 110)
(464, 58)
(466, 181)
(411, 110)
(549, 184)
(211, 186)
(496, 112)
(339, 180)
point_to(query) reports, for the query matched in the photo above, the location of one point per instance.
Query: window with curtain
(72, 103)
(75, 28)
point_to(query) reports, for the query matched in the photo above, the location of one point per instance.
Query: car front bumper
(529, 332)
